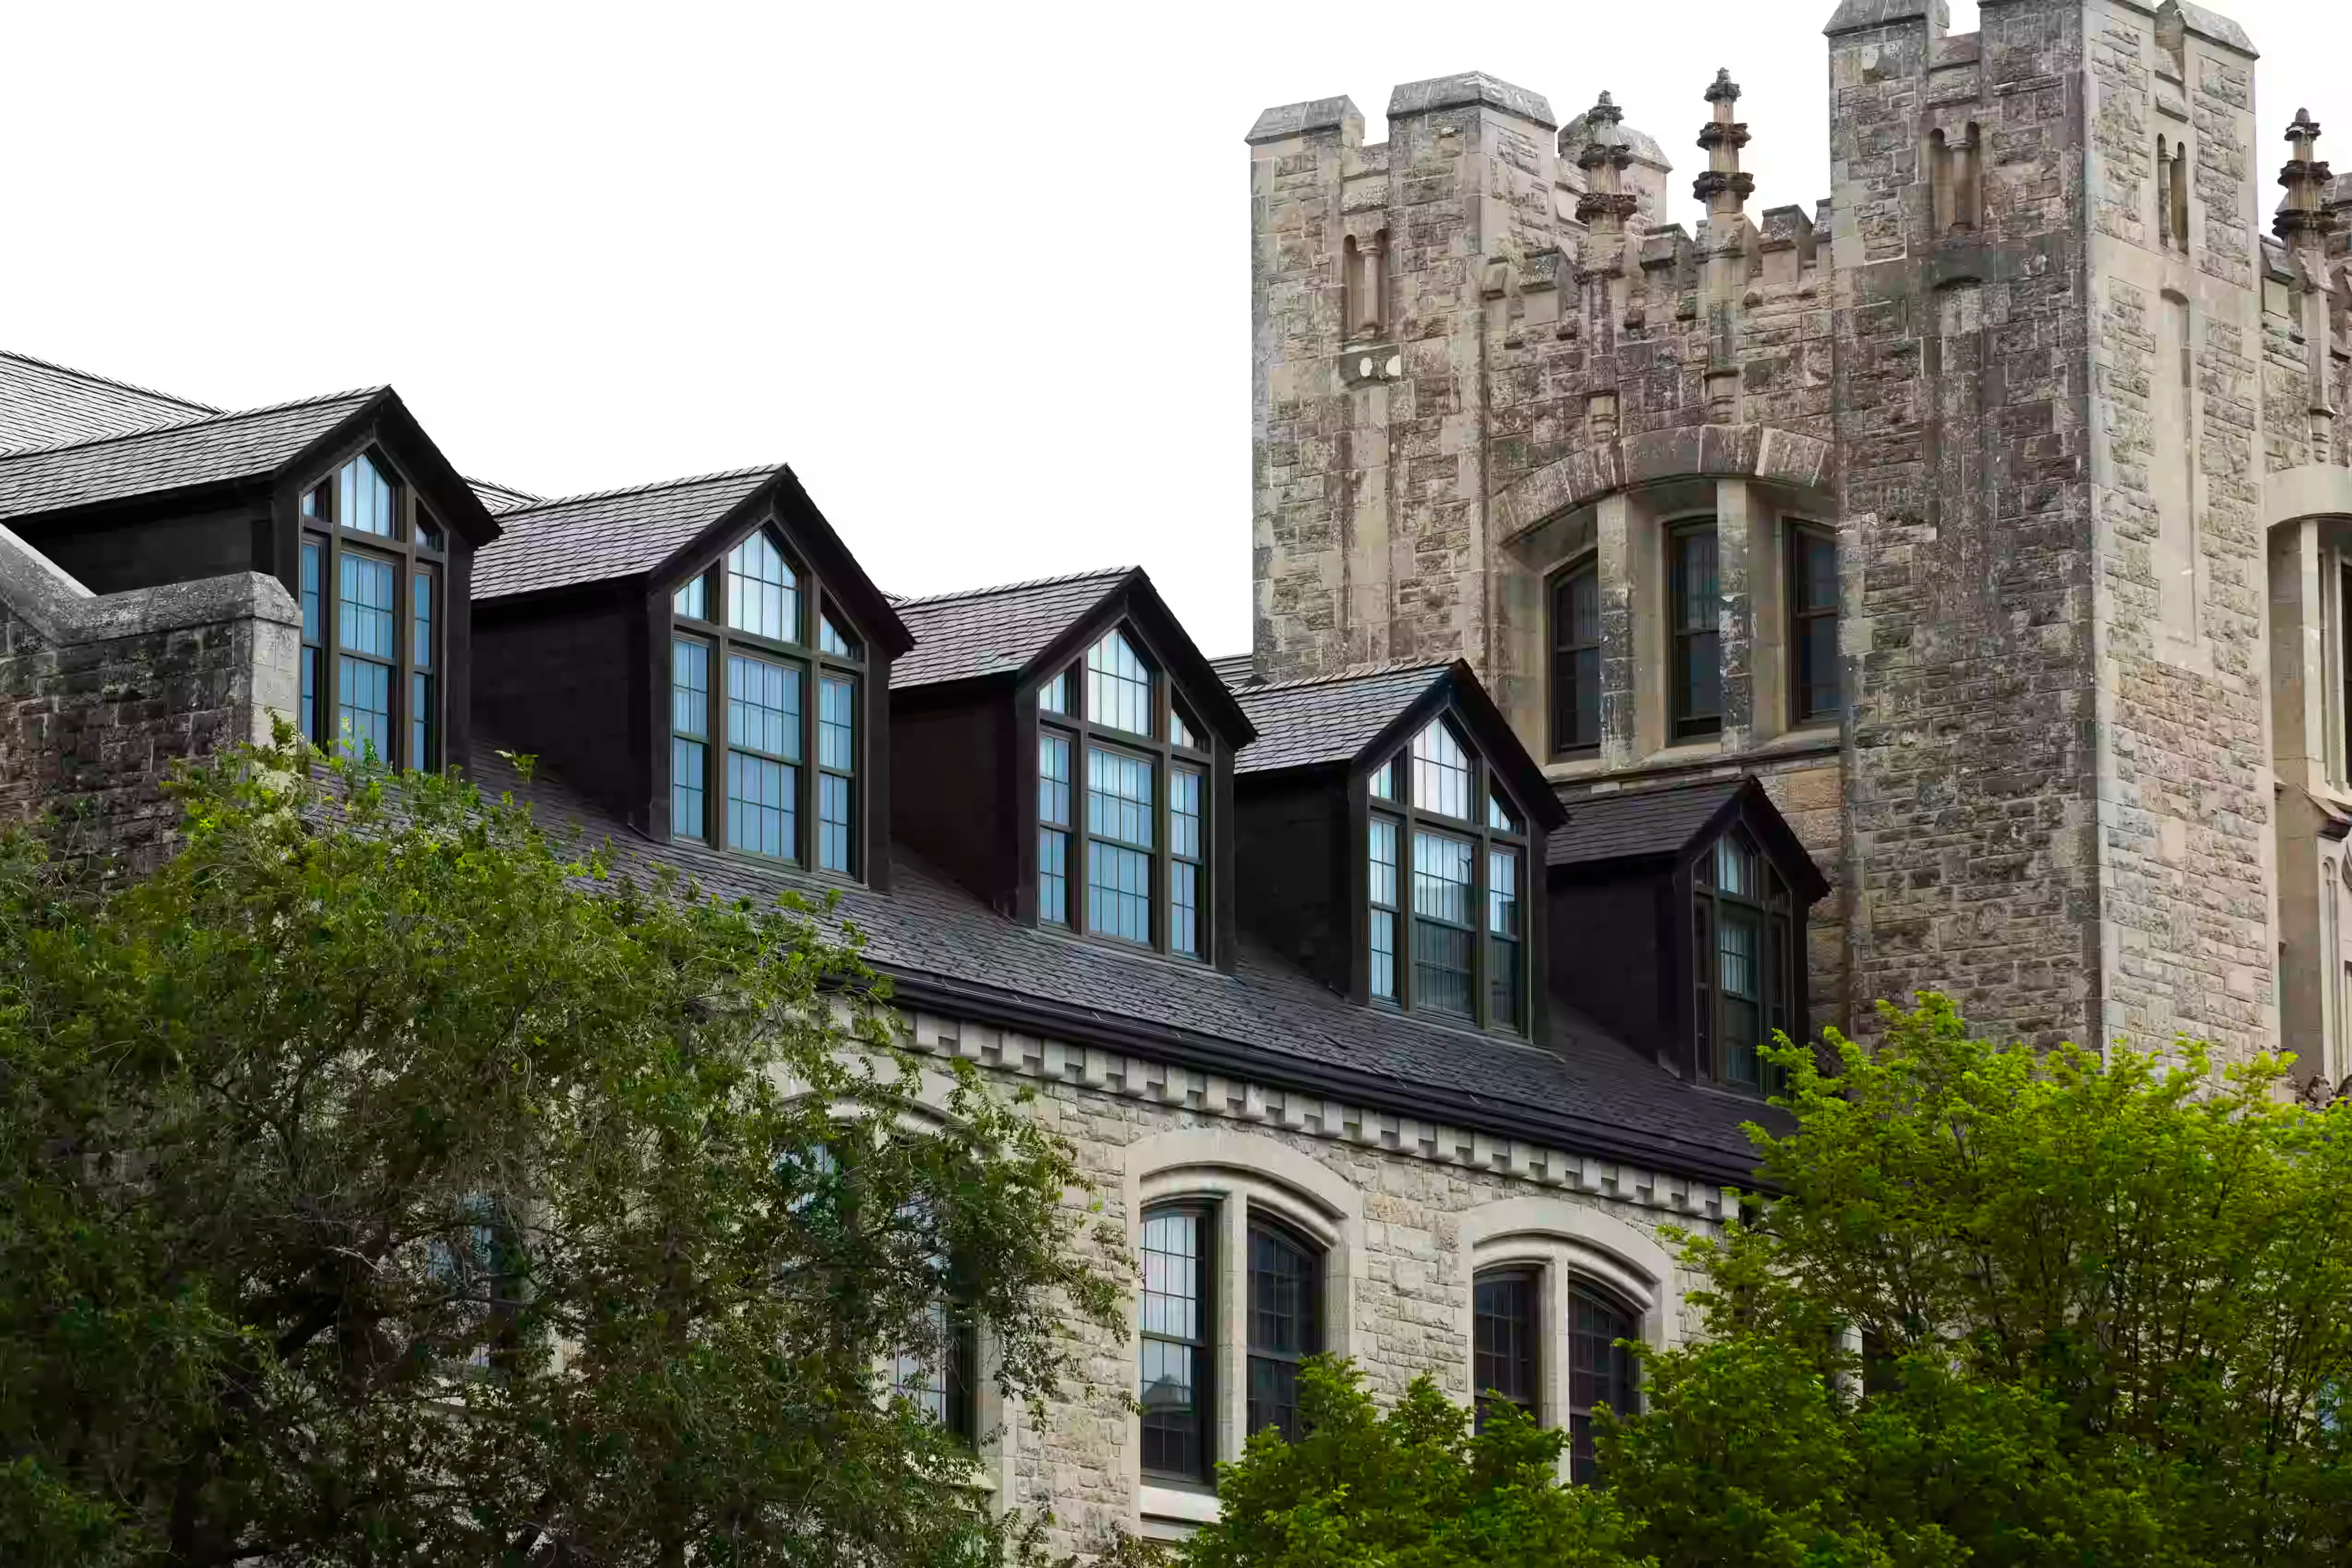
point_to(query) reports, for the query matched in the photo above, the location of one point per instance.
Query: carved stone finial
(1725, 89)
(1723, 186)
(2304, 217)
(1604, 158)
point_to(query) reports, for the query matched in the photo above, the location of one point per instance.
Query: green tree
(384, 1181)
(1415, 1488)
(2002, 1307)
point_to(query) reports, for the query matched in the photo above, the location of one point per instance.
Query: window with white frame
(1123, 775)
(767, 718)
(1448, 881)
(372, 560)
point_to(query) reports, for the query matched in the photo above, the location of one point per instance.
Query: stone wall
(98, 695)
(1409, 1210)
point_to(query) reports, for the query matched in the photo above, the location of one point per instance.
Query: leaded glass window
(1504, 1308)
(762, 590)
(763, 740)
(1119, 845)
(1460, 911)
(1745, 950)
(373, 617)
(1286, 1323)
(1118, 686)
(1175, 1312)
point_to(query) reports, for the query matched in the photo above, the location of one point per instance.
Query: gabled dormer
(704, 656)
(344, 499)
(1679, 922)
(1389, 826)
(1076, 756)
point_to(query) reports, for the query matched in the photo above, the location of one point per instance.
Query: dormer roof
(1355, 716)
(1022, 631)
(44, 404)
(1658, 824)
(259, 444)
(661, 530)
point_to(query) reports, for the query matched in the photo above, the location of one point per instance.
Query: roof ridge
(177, 427)
(1352, 673)
(646, 489)
(109, 381)
(924, 601)
(480, 484)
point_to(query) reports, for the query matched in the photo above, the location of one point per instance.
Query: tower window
(1576, 661)
(1694, 622)
(1812, 625)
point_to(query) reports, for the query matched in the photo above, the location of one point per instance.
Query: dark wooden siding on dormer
(562, 678)
(154, 547)
(1620, 956)
(953, 797)
(1291, 859)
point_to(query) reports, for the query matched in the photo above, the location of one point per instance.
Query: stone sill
(1178, 1504)
(1701, 759)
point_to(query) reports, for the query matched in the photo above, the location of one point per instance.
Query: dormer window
(783, 716)
(1744, 936)
(371, 559)
(1447, 853)
(1122, 804)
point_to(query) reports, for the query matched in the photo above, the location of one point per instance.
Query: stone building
(1989, 512)
(1659, 641)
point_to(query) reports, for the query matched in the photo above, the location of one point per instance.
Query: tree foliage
(384, 1181)
(2003, 1308)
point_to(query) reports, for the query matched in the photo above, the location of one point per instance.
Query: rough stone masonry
(2071, 403)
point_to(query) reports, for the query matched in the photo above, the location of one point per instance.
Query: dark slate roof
(253, 443)
(1236, 670)
(1329, 718)
(1637, 823)
(609, 533)
(497, 498)
(1583, 1090)
(987, 630)
(42, 404)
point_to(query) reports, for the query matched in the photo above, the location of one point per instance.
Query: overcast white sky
(980, 273)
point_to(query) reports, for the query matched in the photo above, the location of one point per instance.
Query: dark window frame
(1204, 1216)
(1602, 1374)
(1084, 734)
(1777, 919)
(804, 653)
(1567, 651)
(1281, 1363)
(1801, 615)
(1684, 721)
(1524, 1281)
(323, 528)
(1410, 820)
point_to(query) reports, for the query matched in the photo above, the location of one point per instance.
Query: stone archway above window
(1711, 451)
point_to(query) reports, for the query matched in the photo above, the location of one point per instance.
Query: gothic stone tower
(1941, 507)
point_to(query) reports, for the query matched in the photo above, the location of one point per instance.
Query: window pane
(763, 705)
(366, 497)
(1441, 878)
(688, 759)
(1054, 696)
(311, 553)
(363, 706)
(1441, 772)
(832, 640)
(1735, 868)
(1383, 898)
(420, 720)
(1184, 908)
(693, 601)
(763, 592)
(1695, 611)
(1600, 1375)
(1576, 662)
(1173, 1318)
(690, 688)
(1184, 813)
(834, 837)
(1052, 876)
(1118, 892)
(420, 618)
(1179, 732)
(836, 738)
(1737, 977)
(1119, 797)
(1118, 686)
(1285, 1326)
(1383, 784)
(1054, 780)
(311, 657)
(1504, 1340)
(1499, 815)
(1384, 955)
(760, 809)
(366, 606)
(1503, 914)
(1120, 827)
(1440, 937)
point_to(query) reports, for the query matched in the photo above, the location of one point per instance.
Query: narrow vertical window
(763, 741)
(1600, 1373)
(424, 742)
(1441, 772)
(1503, 1309)
(1175, 1317)
(1119, 845)
(1442, 925)
(935, 1375)
(1186, 858)
(364, 672)
(1054, 829)
(836, 763)
(763, 594)
(1118, 686)
(1695, 624)
(1384, 908)
(1286, 1325)
(689, 738)
(1746, 950)
(313, 641)
(1576, 662)
(1503, 975)
(1812, 625)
